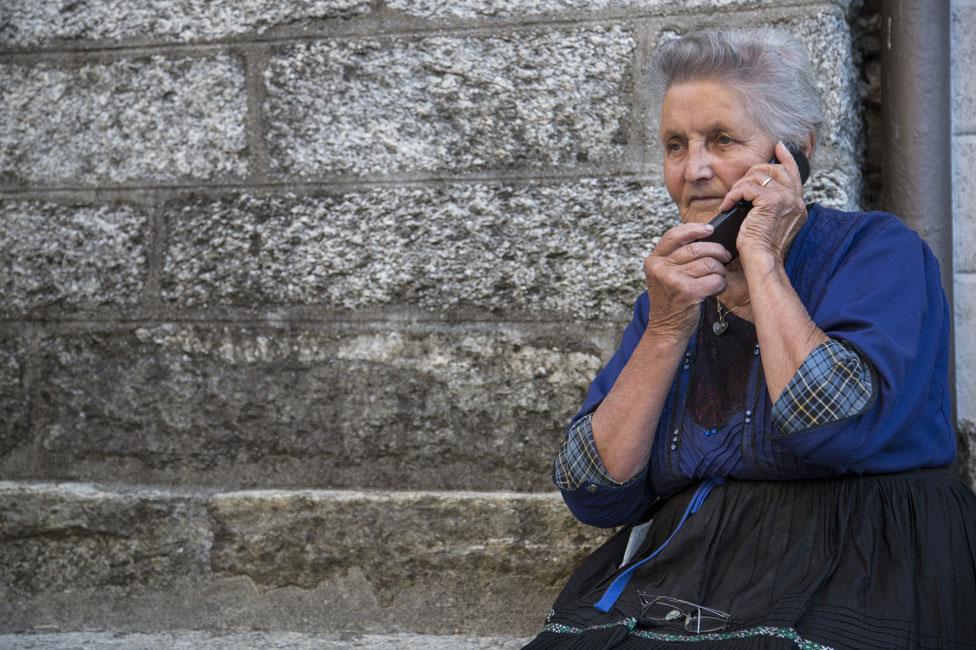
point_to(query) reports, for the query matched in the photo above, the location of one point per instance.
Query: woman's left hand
(778, 210)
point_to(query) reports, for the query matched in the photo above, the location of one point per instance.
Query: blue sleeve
(578, 461)
(602, 505)
(884, 299)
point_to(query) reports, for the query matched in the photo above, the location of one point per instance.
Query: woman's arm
(680, 274)
(625, 422)
(786, 333)
(814, 380)
(784, 328)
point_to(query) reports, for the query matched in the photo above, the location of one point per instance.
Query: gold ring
(766, 182)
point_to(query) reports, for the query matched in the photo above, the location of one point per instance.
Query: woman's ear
(807, 146)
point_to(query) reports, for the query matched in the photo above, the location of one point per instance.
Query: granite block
(152, 118)
(573, 249)
(70, 537)
(14, 393)
(964, 203)
(963, 67)
(54, 22)
(69, 258)
(238, 406)
(449, 104)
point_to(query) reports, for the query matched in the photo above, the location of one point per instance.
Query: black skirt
(857, 562)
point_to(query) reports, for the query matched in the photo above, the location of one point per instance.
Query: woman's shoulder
(838, 237)
(873, 228)
(853, 246)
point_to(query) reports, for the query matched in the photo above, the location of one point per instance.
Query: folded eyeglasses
(661, 610)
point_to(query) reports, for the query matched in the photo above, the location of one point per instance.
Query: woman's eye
(724, 139)
(672, 147)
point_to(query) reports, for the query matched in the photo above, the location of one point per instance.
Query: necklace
(721, 324)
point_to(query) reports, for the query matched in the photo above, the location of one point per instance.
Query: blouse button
(591, 488)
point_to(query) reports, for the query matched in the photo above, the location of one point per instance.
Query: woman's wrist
(665, 337)
(759, 262)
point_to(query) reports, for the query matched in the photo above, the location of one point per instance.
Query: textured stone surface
(253, 641)
(151, 118)
(469, 9)
(828, 40)
(14, 401)
(833, 186)
(42, 22)
(964, 203)
(966, 452)
(55, 538)
(509, 101)
(575, 249)
(963, 67)
(407, 545)
(79, 557)
(236, 406)
(69, 257)
(964, 303)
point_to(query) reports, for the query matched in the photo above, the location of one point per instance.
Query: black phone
(727, 223)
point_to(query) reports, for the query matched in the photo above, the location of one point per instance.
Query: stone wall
(963, 79)
(296, 298)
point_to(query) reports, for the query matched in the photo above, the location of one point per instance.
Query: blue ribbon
(616, 587)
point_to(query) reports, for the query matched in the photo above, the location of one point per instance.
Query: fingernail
(709, 226)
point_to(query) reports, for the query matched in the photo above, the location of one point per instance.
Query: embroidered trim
(748, 633)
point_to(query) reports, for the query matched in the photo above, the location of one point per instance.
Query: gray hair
(769, 68)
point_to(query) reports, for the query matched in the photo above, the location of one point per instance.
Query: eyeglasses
(658, 610)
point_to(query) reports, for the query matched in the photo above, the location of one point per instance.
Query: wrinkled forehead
(703, 107)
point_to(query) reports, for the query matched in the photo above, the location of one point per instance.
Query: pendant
(719, 327)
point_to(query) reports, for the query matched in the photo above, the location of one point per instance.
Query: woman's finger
(785, 174)
(746, 188)
(702, 267)
(681, 235)
(708, 285)
(788, 165)
(700, 249)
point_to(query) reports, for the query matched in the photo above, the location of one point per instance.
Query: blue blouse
(866, 280)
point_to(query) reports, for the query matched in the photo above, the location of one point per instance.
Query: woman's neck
(736, 294)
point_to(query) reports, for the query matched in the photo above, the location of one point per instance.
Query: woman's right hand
(680, 273)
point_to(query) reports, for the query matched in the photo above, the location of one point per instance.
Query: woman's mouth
(703, 200)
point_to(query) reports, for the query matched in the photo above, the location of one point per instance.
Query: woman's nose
(698, 165)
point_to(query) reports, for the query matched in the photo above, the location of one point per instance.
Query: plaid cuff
(833, 383)
(578, 461)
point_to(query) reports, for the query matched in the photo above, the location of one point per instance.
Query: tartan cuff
(833, 383)
(578, 462)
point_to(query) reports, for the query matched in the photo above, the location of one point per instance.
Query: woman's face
(709, 143)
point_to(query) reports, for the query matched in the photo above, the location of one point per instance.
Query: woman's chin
(692, 217)
(701, 213)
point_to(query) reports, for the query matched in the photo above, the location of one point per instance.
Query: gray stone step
(252, 641)
(80, 556)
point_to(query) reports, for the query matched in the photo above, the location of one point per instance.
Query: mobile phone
(727, 223)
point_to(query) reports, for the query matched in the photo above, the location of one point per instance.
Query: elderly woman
(782, 416)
